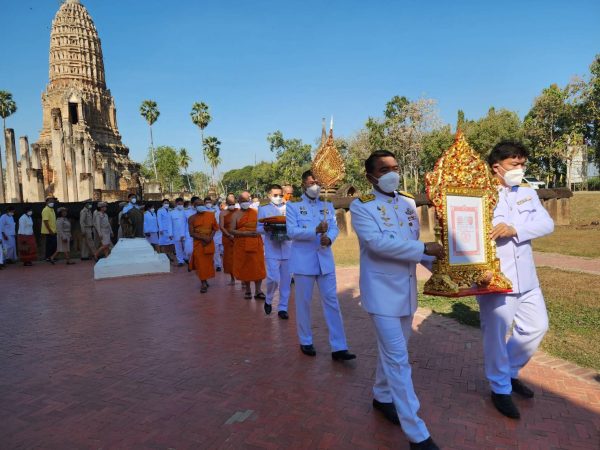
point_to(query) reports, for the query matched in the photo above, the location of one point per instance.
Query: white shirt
(179, 221)
(25, 225)
(7, 225)
(274, 249)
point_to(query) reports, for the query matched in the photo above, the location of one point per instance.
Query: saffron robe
(202, 256)
(248, 252)
(227, 244)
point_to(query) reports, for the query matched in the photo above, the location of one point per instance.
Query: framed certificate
(466, 236)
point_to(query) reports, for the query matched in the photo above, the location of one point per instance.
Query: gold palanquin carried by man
(464, 194)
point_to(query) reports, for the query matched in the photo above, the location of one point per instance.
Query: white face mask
(277, 200)
(313, 191)
(389, 182)
(245, 205)
(51, 205)
(200, 208)
(133, 200)
(151, 210)
(513, 177)
(29, 213)
(166, 205)
(230, 207)
(179, 207)
(208, 205)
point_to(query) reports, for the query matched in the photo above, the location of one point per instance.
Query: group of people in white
(387, 227)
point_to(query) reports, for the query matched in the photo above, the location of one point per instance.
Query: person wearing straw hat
(63, 236)
(103, 230)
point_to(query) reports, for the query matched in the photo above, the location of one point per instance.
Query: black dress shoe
(504, 404)
(268, 308)
(283, 315)
(218, 269)
(308, 350)
(520, 388)
(85, 259)
(388, 410)
(342, 355)
(427, 444)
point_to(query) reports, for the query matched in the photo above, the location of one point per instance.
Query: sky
(266, 65)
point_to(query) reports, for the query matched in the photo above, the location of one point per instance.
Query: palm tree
(149, 111)
(184, 162)
(211, 153)
(7, 108)
(201, 118)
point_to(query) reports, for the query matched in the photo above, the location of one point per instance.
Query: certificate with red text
(465, 230)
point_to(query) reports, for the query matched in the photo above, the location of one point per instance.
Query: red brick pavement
(149, 362)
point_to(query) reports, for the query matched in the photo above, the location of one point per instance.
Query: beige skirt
(61, 245)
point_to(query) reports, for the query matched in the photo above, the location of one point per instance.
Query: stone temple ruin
(79, 154)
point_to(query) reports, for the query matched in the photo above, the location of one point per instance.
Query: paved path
(151, 363)
(566, 262)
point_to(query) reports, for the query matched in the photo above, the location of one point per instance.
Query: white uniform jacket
(388, 234)
(308, 257)
(165, 226)
(150, 222)
(8, 225)
(521, 208)
(274, 249)
(179, 220)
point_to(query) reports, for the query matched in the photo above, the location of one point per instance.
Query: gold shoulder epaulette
(366, 198)
(406, 194)
(524, 184)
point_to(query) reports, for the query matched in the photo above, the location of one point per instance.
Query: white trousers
(1, 253)
(278, 277)
(189, 247)
(503, 360)
(10, 247)
(393, 381)
(180, 249)
(331, 309)
(218, 256)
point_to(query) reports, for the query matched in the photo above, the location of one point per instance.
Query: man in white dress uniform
(180, 230)
(165, 230)
(519, 217)
(8, 234)
(277, 254)
(312, 227)
(387, 227)
(151, 226)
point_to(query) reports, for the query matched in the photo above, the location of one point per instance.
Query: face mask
(11, 214)
(166, 205)
(29, 213)
(179, 207)
(245, 205)
(513, 177)
(133, 200)
(313, 191)
(208, 205)
(200, 208)
(389, 182)
(51, 205)
(276, 200)
(88, 206)
(230, 207)
(151, 210)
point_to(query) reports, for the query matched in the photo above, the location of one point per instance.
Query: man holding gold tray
(518, 218)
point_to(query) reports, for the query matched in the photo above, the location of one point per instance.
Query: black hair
(370, 161)
(10, 208)
(178, 199)
(507, 149)
(207, 199)
(307, 174)
(274, 186)
(166, 200)
(194, 198)
(131, 195)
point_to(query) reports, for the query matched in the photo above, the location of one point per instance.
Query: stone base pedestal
(132, 257)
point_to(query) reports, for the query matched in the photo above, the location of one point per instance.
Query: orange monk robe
(248, 252)
(227, 245)
(202, 256)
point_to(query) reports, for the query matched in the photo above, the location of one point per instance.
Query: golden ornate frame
(461, 171)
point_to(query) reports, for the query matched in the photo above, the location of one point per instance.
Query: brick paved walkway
(150, 363)
(566, 262)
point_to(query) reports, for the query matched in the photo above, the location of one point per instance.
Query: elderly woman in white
(26, 239)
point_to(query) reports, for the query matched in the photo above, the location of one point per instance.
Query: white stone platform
(132, 257)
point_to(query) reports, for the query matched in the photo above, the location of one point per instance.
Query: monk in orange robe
(203, 226)
(248, 251)
(225, 223)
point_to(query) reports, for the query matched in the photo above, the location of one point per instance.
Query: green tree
(435, 143)
(236, 180)
(201, 117)
(495, 126)
(7, 106)
(212, 151)
(292, 157)
(166, 160)
(149, 111)
(200, 183)
(184, 163)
